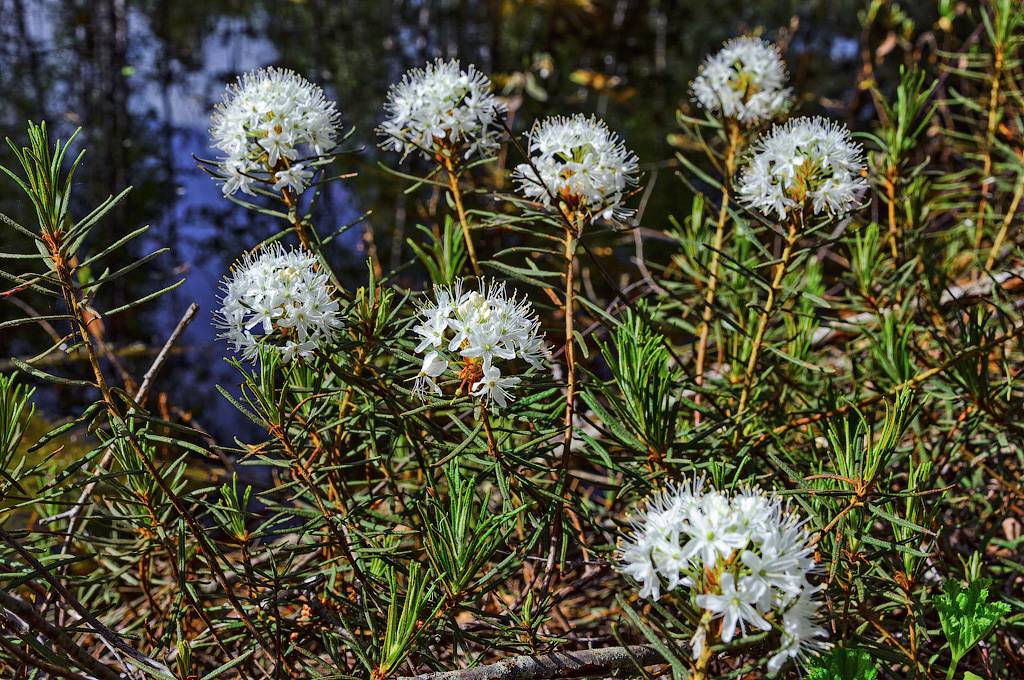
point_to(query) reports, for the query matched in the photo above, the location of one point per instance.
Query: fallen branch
(586, 662)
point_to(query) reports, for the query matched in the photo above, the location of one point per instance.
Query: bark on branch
(583, 663)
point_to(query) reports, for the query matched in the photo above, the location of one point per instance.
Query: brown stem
(766, 312)
(291, 201)
(492, 445)
(732, 145)
(573, 226)
(121, 427)
(453, 186)
(990, 133)
(1005, 226)
(570, 341)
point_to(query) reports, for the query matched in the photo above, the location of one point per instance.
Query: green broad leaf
(843, 664)
(967, 617)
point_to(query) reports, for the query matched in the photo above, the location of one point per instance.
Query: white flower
(493, 388)
(578, 161)
(433, 366)
(713, 531)
(801, 635)
(295, 177)
(734, 605)
(268, 120)
(745, 80)
(439, 108)
(480, 331)
(804, 163)
(743, 557)
(277, 298)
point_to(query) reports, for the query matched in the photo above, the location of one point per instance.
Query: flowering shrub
(773, 432)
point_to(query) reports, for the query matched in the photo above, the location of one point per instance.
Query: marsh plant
(775, 432)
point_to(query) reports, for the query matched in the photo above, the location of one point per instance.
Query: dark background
(140, 79)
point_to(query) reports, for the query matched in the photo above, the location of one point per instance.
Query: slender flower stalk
(456, 193)
(803, 168)
(733, 137)
(492, 444)
(792, 234)
(571, 236)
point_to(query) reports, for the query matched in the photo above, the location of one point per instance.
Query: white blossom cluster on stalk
(442, 107)
(580, 162)
(476, 334)
(804, 162)
(743, 558)
(277, 298)
(745, 81)
(271, 125)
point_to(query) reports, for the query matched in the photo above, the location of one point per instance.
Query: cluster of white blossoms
(745, 81)
(277, 298)
(805, 161)
(578, 161)
(744, 558)
(270, 126)
(473, 331)
(442, 105)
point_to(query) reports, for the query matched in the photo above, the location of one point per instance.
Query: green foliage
(865, 367)
(230, 513)
(461, 535)
(842, 663)
(641, 367)
(445, 255)
(967, 616)
(16, 408)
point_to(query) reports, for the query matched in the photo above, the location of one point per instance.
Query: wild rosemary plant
(778, 433)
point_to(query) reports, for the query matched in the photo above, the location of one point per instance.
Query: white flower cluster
(271, 124)
(440, 105)
(477, 329)
(277, 298)
(745, 80)
(745, 559)
(805, 161)
(579, 161)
